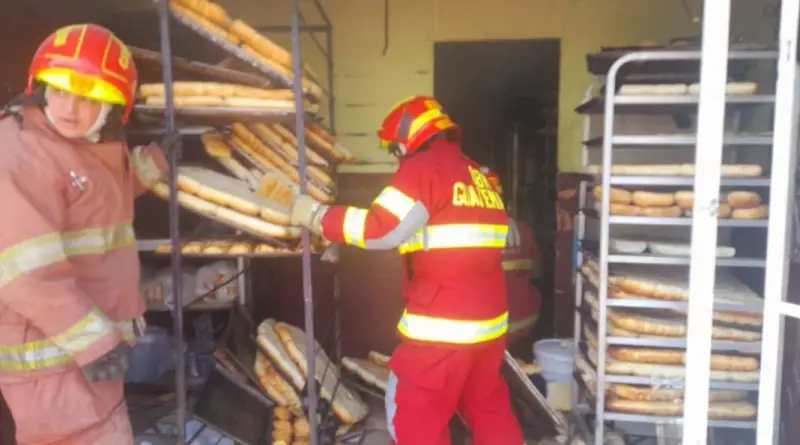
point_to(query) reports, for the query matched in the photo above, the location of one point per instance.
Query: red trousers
(430, 384)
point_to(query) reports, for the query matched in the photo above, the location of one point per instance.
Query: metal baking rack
(609, 106)
(172, 144)
(222, 114)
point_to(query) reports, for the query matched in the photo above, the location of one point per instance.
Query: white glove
(513, 239)
(331, 254)
(308, 212)
(145, 166)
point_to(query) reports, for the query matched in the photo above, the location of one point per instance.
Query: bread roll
(164, 248)
(301, 428)
(652, 199)
(759, 212)
(624, 210)
(206, 9)
(743, 200)
(618, 196)
(684, 199)
(661, 212)
(241, 249)
(216, 29)
(282, 413)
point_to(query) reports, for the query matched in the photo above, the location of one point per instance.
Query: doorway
(504, 93)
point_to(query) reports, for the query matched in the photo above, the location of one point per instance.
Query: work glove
(331, 254)
(111, 366)
(308, 212)
(513, 238)
(145, 166)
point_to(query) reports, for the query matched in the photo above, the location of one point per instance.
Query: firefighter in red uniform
(449, 224)
(521, 262)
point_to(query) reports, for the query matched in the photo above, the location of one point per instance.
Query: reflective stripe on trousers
(42, 354)
(454, 236)
(441, 330)
(390, 403)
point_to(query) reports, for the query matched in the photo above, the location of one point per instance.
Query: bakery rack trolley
(703, 262)
(172, 143)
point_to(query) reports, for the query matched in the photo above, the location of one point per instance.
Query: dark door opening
(505, 95)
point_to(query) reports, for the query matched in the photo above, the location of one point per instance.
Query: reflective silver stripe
(83, 334)
(355, 222)
(395, 202)
(42, 251)
(453, 236)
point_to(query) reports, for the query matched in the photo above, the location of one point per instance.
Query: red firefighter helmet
(87, 60)
(494, 179)
(412, 122)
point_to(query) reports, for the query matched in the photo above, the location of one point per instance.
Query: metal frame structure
(172, 144)
(714, 57)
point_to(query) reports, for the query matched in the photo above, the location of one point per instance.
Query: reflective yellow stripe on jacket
(43, 251)
(454, 236)
(440, 330)
(518, 265)
(46, 250)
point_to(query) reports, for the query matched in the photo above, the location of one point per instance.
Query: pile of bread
(218, 94)
(668, 364)
(734, 204)
(282, 370)
(288, 429)
(235, 34)
(225, 247)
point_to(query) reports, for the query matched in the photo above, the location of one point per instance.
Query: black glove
(111, 366)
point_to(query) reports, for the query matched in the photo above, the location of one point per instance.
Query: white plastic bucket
(556, 357)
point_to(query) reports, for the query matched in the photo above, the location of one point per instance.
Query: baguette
(652, 199)
(208, 10)
(261, 44)
(245, 140)
(272, 345)
(716, 410)
(217, 29)
(289, 136)
(216, 147)
(324, 142)
(661, 394)
(367, 371)
(214, 89)
(283, 141)
(231, 102)
(743, 200)
(278, 389)
(618, 196)
(759, 212)
(347, 405)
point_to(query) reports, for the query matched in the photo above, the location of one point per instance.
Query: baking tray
(530, 404)
(229, 405)
(203, 69)
(220, 115)
(240, 345)
(273, 74)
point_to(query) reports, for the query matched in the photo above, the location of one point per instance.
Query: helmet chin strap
(93, 134)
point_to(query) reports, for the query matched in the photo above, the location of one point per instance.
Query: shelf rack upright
(172, 144)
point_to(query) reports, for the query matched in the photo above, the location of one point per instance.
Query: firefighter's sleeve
(397, 214)
(37, 280)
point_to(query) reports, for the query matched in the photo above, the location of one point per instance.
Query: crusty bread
(717, 410)
(652, 212)
(206, 9)
(367, 371)
(347, 405)
(323, 141)
(269, 342)
(289, 136)
(256, 226)
(283, 142)
(743, 200)
(662, 394)
(214, 26)
(652, 199)
(618, 196)
(230, 192)
(231, 102)
(667, 89)
(719, 362)
(278, 389)
(261, 44)
(215, 89)
(759, 212)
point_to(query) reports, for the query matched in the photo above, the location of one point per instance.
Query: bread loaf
(277, 105)
(759, 212)
(717, 410)
(217, 29)
(367, 371)
(278, 389)
(347, 405)
(618, 196)
(289, 136)
(323, 141)
(208, 10)
(743, 200)
(652, 199)
(272, 345)
(214, 89)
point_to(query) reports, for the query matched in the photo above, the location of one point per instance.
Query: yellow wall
(367, 83)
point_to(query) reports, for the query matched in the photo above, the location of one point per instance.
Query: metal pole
(702, 273)
(782, 187)
(308, 298)
(173, 146)
(331, 94)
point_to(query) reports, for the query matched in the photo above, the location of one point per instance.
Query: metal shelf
(680, 343)
(682, 261)
(661, 140)
(677, 383)
(665, 104)
(677, 305)
(681, 181)
(684, 222)
(639, 418)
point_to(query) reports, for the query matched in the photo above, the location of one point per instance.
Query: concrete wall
(368, 83)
